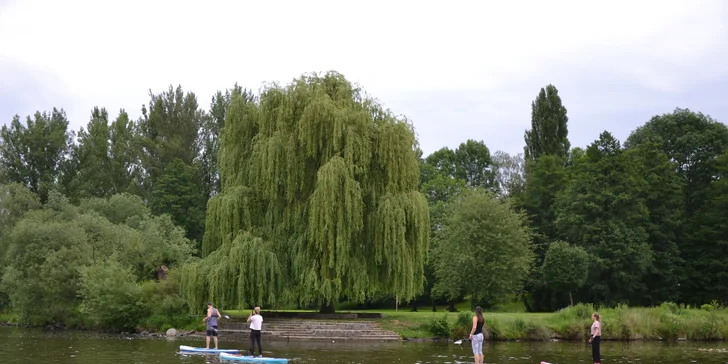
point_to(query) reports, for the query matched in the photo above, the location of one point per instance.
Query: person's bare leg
(207, 343)
(215, 338)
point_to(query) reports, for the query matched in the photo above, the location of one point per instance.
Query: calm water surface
(18, 345)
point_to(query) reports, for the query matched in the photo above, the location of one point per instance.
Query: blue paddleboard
(248, 359)
(190, 349)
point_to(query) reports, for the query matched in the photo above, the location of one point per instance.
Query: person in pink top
(596, 338)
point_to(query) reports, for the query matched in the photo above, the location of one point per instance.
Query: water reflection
(19, 345)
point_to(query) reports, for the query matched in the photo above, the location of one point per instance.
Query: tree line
(311, 193)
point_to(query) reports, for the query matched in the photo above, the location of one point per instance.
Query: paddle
(225, 316)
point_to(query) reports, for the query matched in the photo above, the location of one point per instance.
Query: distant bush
(165, 307)
(463, 325)
(111, 299)
(439, 327)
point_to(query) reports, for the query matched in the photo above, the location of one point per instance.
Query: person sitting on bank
(256, 325)
(212, 315)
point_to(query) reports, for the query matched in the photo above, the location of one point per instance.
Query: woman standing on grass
(596, 338)
(476, 335)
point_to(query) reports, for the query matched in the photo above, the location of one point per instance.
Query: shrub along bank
(104, 264)
(668, 321)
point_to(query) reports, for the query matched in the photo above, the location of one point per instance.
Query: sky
(457, 70)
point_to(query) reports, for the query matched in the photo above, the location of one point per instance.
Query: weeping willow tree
(318, 201)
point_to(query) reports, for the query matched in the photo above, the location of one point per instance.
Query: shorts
(212, 331)
(477, 343)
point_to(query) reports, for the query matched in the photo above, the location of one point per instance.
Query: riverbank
(669, 322)
(189, 328)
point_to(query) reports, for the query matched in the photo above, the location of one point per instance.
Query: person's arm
(250, 316)
(475, 323)
(209, 314)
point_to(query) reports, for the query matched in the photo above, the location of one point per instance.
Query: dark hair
(479, 313)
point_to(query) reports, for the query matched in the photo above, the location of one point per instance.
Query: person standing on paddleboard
(211, 319)
(596, 338)
(476, 335)
(256, 324)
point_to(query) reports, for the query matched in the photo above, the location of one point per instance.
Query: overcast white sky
(458, 69)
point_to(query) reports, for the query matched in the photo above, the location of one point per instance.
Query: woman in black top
(476, 335)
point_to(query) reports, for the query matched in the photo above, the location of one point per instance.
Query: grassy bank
(8, 318)
(666, 322)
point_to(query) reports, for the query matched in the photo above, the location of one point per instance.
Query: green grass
(417, 324)
(8, 318)
(666, 322)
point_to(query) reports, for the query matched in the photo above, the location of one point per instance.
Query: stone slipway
(310, 329)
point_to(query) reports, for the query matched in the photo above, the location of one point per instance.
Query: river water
(20, 345)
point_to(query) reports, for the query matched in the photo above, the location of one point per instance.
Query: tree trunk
(414, 306)
(571, 298)
(434, 306)
(327, 307)
(524, 298)
(451, 306)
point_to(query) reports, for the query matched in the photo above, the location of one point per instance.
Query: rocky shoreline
(173, 333)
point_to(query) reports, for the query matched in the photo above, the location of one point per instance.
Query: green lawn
(8, 318)
(414, 324)
(668, 321)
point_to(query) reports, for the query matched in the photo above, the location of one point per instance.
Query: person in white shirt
(256, 324)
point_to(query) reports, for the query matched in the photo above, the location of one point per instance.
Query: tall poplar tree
(549, 134)
(546, 154)
(170, 135)
(319, 189)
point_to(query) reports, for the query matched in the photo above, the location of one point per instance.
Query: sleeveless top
(479, 328)
(212, 322)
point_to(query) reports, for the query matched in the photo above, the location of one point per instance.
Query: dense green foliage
(82, 266)
(318, 189)
(34, 154)
(549, 131)
(312, 193)
(483, 249)
(565, 267)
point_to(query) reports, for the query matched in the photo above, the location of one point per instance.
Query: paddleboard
(248, 359)
(543, 362)
(191, 349)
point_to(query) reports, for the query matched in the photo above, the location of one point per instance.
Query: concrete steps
(297, 329)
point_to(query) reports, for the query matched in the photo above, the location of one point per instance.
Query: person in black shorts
(211, 319)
